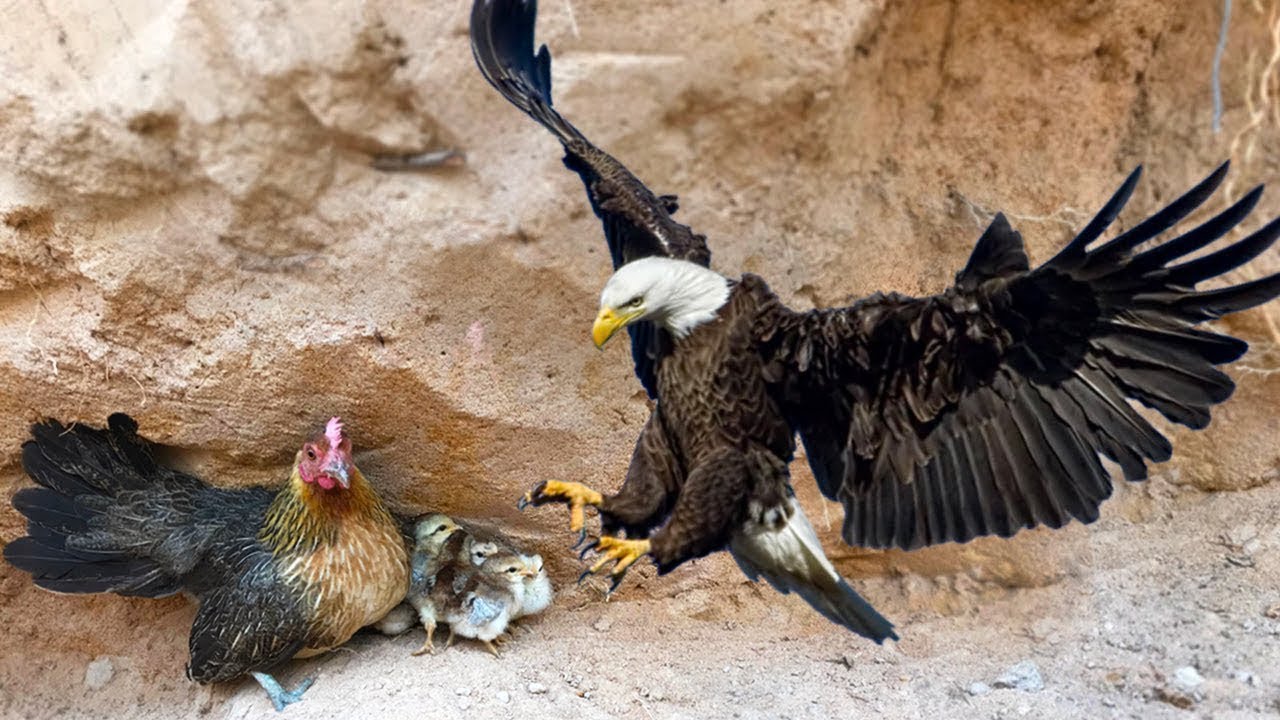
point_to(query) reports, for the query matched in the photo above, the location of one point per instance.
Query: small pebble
(99, 673)
(979, 689)
(462, 691)
(1245, 677)
(603, 624)
(464, 703)
(536, 688)
(1187, 679)
(503, 696)
(1024, 676)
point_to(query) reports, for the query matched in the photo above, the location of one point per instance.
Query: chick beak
(607, 323)
(529, 573)
(338, 471)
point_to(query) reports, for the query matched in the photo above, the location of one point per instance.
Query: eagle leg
(576, 495)
(622, 553)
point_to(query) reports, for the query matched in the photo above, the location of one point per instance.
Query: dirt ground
(1167, 580)
(191, 231)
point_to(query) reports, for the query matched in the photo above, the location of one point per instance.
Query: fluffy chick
(433, 552)
(449, 570)
(537, 587)
(482, 606)
(399, 621)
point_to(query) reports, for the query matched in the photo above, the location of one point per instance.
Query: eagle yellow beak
(609, 322)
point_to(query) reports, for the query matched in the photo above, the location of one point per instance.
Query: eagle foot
(622, 553)
(576, 495)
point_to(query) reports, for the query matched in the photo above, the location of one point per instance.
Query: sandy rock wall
(191, 232)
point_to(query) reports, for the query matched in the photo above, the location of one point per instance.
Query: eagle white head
(676, 294)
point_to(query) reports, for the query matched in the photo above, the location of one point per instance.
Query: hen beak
(609, 322)
(338, 471)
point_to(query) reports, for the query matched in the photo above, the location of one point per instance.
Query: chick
(399, 621)
(482, 606)
(480, 549)
(451, 568)
(435, 551)
(537, 587)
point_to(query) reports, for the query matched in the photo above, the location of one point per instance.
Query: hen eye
(311, 454)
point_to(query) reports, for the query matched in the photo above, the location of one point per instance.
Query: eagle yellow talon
(622, 553)
(576, 495)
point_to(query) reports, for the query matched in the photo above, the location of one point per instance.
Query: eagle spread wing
(636, 222)
(984, 409)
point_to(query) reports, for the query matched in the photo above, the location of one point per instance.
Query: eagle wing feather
(984, 409)
(637, 223)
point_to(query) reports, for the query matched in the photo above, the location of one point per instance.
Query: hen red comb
(333, 431)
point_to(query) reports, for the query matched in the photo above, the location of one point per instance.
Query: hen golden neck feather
(303, 516)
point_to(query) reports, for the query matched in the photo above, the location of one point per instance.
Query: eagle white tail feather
(791, 559)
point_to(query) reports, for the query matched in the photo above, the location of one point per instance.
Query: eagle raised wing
(636, 222)
(984, 409)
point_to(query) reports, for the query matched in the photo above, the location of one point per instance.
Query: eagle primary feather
(982, 410)
(636, 222)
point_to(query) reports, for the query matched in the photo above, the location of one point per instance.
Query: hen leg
(279, 696)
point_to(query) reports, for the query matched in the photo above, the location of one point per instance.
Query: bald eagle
(982, 410)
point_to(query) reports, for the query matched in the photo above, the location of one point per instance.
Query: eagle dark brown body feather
(716, 445)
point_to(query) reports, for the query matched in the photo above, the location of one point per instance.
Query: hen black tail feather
(81, 472)
(502, 43)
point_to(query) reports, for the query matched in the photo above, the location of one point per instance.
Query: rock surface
(191, 232)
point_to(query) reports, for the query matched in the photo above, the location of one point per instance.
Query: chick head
(506, 569)
(431, 532)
